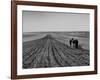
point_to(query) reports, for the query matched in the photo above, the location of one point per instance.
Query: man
(71, 41)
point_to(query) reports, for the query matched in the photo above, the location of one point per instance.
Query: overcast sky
(54, 21)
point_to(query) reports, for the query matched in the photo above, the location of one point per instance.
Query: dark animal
(75, 43)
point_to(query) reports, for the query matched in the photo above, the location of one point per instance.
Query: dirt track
(49, 52)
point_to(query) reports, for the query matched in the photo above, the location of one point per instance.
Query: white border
(21, 71)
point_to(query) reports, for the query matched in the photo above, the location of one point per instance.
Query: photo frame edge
(14, 39)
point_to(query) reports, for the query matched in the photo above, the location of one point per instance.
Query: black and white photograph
(55, 39)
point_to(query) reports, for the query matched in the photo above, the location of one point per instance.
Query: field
(52, 49)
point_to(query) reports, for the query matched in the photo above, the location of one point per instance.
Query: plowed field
(50, 52)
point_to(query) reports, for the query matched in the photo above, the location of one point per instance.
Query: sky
(35, 21)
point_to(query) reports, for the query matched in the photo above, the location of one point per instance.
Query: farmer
(71, 42)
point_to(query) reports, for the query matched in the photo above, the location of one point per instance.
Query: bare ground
(50, 52)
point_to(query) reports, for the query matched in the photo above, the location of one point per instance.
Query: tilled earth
(49, 52)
